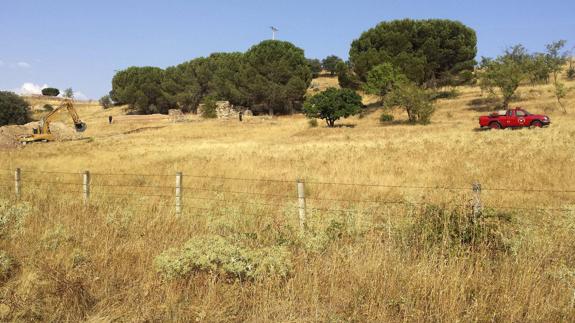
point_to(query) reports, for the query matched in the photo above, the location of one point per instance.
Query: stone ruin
(176, 115)
(225, 110)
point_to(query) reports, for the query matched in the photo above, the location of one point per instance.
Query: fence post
(477, 205)
(86, 186)
(179, 176)
(18, 182)
(301, 202)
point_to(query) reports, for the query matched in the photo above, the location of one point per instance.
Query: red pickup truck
(513, 118)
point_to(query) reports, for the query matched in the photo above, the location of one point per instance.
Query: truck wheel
(537, 124)
(495, 125)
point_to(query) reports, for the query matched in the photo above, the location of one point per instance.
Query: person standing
(110, 119)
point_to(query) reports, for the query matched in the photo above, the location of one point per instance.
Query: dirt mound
(9, 134)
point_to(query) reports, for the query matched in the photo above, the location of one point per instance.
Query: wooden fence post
(477, 205)
(86, 186)
(179, 176)
(18, 182)
(301, 202)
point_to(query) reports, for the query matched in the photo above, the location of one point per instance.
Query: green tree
(314, 66)
(332, 105)
(13, 109)
(382, 79)
(50, 91)
(330, 64)
(141, 89)
(106, 102)
(556, 61)
(430, 52)
(277, 75)
(505, 73)
(414, 100)
(68, 93)
(346, 77)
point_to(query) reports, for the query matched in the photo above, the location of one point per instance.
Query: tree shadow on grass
(345, 125)
(484, 104)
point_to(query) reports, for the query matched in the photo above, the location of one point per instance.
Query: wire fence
(213, 193)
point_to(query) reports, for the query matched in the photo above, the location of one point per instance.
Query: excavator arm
(43, 132)
(69, 106)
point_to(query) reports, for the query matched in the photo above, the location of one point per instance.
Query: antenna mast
(274, 30)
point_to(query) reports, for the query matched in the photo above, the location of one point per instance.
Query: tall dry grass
(375, 262)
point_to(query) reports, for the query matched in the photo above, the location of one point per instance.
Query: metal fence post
(86, 186)
(179, 176)
(301, 202)
(477, 205)
(18, 182)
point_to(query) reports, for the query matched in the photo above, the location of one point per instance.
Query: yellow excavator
(43, 133)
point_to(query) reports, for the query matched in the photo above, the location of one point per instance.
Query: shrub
(385, 118)
(332, 105)
(312, 123)
(12, 218)
(459, 229)
(7, 266)
(571, 73)
(55, 237)
(214, 254)
(451, 94)
(50, 91)
(13, 109)
(48, 107)
(106, 102)
(414, 100)
(68, 93)
(209, 110)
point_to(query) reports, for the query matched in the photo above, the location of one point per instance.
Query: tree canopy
(332, 105)
(50, 91)
(330, 63)
(431, 52)
(274, 74)
(13, 109)
(382, 79)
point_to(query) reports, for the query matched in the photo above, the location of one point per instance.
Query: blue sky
(79, 44)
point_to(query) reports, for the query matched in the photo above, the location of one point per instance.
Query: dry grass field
(389, 237)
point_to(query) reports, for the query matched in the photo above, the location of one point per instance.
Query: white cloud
(31, 88)
(23, 65)
(80, 96)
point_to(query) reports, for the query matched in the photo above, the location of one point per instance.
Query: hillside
(371, 250)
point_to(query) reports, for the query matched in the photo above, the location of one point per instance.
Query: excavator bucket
(81, 126)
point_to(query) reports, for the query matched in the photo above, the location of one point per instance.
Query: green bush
(571, 73)
(106, 102)
(12, 217)
(414, 100)
(312, 123)
(48, 107)
(209, 110)
(385, 118)
(332, 105)
(215, 254)
(7, 266)
(13, 109)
